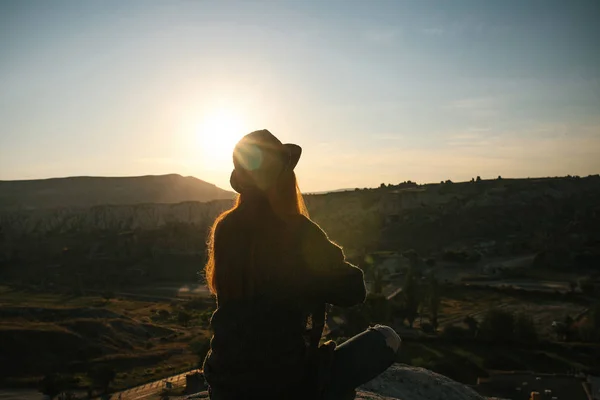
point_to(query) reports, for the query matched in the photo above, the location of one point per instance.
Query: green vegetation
(467, 361)
(91, 342)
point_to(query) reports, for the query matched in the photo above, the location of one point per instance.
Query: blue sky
(374, 91)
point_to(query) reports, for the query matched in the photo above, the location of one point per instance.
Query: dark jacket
(261, 342)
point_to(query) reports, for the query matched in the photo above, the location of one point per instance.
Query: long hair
(230, 267)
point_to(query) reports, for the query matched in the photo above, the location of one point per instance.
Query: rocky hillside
(92, 191)
(558, 216)
(108, 217)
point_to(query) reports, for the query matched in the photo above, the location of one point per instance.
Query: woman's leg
(360, 359)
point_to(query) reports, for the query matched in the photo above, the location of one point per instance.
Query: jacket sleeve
(331, 279)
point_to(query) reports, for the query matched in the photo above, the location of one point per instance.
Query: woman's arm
(331, 279)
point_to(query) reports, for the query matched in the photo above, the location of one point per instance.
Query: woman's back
(261, 336)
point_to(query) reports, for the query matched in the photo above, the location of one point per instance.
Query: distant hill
(88, 191)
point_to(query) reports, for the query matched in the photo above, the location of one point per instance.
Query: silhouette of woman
(273, 271)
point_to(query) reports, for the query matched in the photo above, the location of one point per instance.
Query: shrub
(378, 308)
(525, 330)
(108, 294)
(427, 327)
(420, 362)
(453, 333)
(195, 304)
(497, 325)
(472, 324)
(53, 384)
(587, 286)
(461, 256)
(102, 376)
(430, 262)
(184, 318)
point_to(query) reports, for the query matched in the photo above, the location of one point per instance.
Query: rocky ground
(403, 382)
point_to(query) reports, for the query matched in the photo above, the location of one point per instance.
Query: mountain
(86, 191)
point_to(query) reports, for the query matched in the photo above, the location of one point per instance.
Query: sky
(374, 91)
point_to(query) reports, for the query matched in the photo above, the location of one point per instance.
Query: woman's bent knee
(391, 337)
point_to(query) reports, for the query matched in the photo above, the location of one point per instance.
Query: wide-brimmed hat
(259, 158)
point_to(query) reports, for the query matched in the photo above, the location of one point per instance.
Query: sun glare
(218, 134)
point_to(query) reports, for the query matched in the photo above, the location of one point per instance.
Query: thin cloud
(474, 103)
(164, 161)
(389, 136)
(435, 31)
(468, 135)
(381, 36)
(476, 107)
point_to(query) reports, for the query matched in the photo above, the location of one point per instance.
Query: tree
(472, 324)
(497, 325)
(377, 285)
(412, 256)
(478, 179)
(434, 300)
(590, 330)
(594, 317)
(378, 308)
(409, 294)
(397, 309)
(102, 376)
(108, 294)
(54, 384)
(572, 286)
(565, 330)
(51, 385)
(587, 286)
(525, 330)
(453, 333)
(184, 318)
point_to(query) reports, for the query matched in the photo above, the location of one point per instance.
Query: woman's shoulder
(309, 229)
(227, 221)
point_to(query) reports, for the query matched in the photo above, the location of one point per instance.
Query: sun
(218, 133)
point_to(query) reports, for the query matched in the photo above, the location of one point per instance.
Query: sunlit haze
(374, 91)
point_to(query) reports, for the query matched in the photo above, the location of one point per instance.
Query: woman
(273, 270)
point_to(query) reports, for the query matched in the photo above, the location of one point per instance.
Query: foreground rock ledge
(403, 382)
